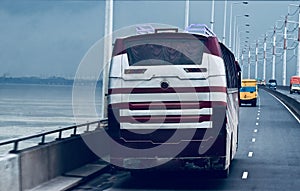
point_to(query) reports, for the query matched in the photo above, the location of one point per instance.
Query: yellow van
(248, 92)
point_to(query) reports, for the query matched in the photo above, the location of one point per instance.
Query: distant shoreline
(36, 80)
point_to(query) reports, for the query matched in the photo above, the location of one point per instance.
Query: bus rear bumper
(199, 163)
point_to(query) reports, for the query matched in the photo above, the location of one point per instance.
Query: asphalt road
(268, 158)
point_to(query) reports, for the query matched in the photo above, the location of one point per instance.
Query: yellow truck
(248, 92)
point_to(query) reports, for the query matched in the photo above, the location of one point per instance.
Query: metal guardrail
(16, 141)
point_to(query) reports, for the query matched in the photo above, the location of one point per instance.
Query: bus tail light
(190, 70)
(135, 71)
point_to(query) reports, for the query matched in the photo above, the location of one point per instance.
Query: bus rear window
(165, 52)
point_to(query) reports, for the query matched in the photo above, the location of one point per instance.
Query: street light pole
(224, 27)
(108, 29)
(187, 13)
(238, 49)
(234, 32)
(249, 66)
(212, 15)
(237, 40)
(265, 57)
(107, 47)
(242, 65)
(298, 56)
(230, 22)
(284, 53)
(274, 53)
(256, 58)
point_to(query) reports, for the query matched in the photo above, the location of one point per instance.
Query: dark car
(272, 84)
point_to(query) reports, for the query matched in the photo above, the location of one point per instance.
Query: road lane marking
(286, 108)
(245, 175)
(250, 154)
(257, 118)
(255, 130)
(258, 114)
(253, 140)
(256, 124)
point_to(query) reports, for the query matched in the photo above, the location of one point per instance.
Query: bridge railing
(15, 141)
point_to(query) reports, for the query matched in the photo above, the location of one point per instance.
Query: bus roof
(199, 29)
(211, 42)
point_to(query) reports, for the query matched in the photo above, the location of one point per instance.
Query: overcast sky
(45, 38)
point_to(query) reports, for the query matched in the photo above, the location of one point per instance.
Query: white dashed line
(258, 114)
(253, 140)
(255, 130)
(256, 124)
(245, 175)
(250, 154)
(257, 118)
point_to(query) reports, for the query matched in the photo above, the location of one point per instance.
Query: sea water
(27, 109)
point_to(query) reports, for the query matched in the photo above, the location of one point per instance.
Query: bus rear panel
(169, 90)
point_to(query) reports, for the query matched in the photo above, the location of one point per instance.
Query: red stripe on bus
(167, 105)
(165, 119)
(168, 90)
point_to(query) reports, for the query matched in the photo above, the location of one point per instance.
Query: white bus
(174, 83)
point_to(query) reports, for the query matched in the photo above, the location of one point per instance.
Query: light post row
(298, 56)
(225, 16)
(224, 24)
(230, 22)
(236, 44)
(234, 32)
(264, 56)
(284, 49)
(264, 59)
(238, 38)
(249, 58)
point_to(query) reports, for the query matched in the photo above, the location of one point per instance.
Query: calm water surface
(29, 109)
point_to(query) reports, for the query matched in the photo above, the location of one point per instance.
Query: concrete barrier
(286, 88)
(291, 103)
(9, 173)
(45, 162)
(29, 168)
